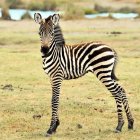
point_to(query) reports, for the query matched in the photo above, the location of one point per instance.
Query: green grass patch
(25, 90)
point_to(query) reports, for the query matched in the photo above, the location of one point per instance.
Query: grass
(84, 101)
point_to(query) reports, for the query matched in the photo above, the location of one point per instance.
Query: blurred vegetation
(5, 13)
(88, 6)
(74, 9)
(14, 4)
(32, 5)
(138, 10)
(126, 10)
(72, 12)
(36, 6)
(101, 9)
(26, 16)
(42, 5)
(89, 11)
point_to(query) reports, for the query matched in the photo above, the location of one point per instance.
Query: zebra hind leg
(114, 88)
(127, 110)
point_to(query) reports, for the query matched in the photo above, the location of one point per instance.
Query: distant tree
(26, 16)
(14, 4)
(5, 13)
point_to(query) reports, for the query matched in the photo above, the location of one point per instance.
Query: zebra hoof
(47, 135)
(130, 124)
(117, 131)
(52, 128)
(119, 127)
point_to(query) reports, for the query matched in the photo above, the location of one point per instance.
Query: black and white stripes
(65, 62)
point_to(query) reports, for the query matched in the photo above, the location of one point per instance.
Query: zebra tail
(113, 76)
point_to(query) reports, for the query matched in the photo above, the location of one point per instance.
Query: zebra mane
(58, 36)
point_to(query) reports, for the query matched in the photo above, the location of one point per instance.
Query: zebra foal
(65, 62)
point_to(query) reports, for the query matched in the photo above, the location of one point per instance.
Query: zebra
(65, 62)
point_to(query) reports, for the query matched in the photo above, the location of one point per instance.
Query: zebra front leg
(56, 83)
(127, 110)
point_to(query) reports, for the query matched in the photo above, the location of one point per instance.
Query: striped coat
(76, 60)
(65, 62)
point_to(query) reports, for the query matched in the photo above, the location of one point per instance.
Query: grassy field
(25, 90)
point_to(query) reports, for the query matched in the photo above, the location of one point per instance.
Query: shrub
(138, 2)
(88, 11)
(110, 16)
(72, 12)
(126, 10)
(102, 9)
(35, 6)
(5, 13)
(137, 10)
(42, 5)
(26, 16)
(14, 4)
(50, 4)
(138, 17)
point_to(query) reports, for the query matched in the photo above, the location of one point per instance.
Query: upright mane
(59, 39)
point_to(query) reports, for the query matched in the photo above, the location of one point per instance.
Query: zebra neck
(58, 36)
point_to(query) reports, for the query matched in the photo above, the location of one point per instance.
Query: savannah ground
(87, 110)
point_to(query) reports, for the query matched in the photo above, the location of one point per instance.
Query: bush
(72, 12)
(137, 10)
(126, 10)
(5, 13)
(88, 11)
(110, 16)
(42, 5)
(14, 4)
(36, 6)
(32, 5)
(26, 16)
(50, 4)
(101, 9)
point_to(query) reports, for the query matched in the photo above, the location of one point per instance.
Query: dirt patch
(37, 116)
(7, 87)
(79, 126)
(115, 33)
(20, 51)
(10, 87)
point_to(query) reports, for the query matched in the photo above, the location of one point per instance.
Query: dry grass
(25, 90)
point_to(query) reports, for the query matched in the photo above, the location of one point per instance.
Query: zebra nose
(44, 46)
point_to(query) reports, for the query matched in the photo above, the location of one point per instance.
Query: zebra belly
(68, 77)
(72, 72)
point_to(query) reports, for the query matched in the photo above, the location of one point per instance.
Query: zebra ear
(38, 18)
(55, 19)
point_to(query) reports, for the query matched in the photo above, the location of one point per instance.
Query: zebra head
(47, 26)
